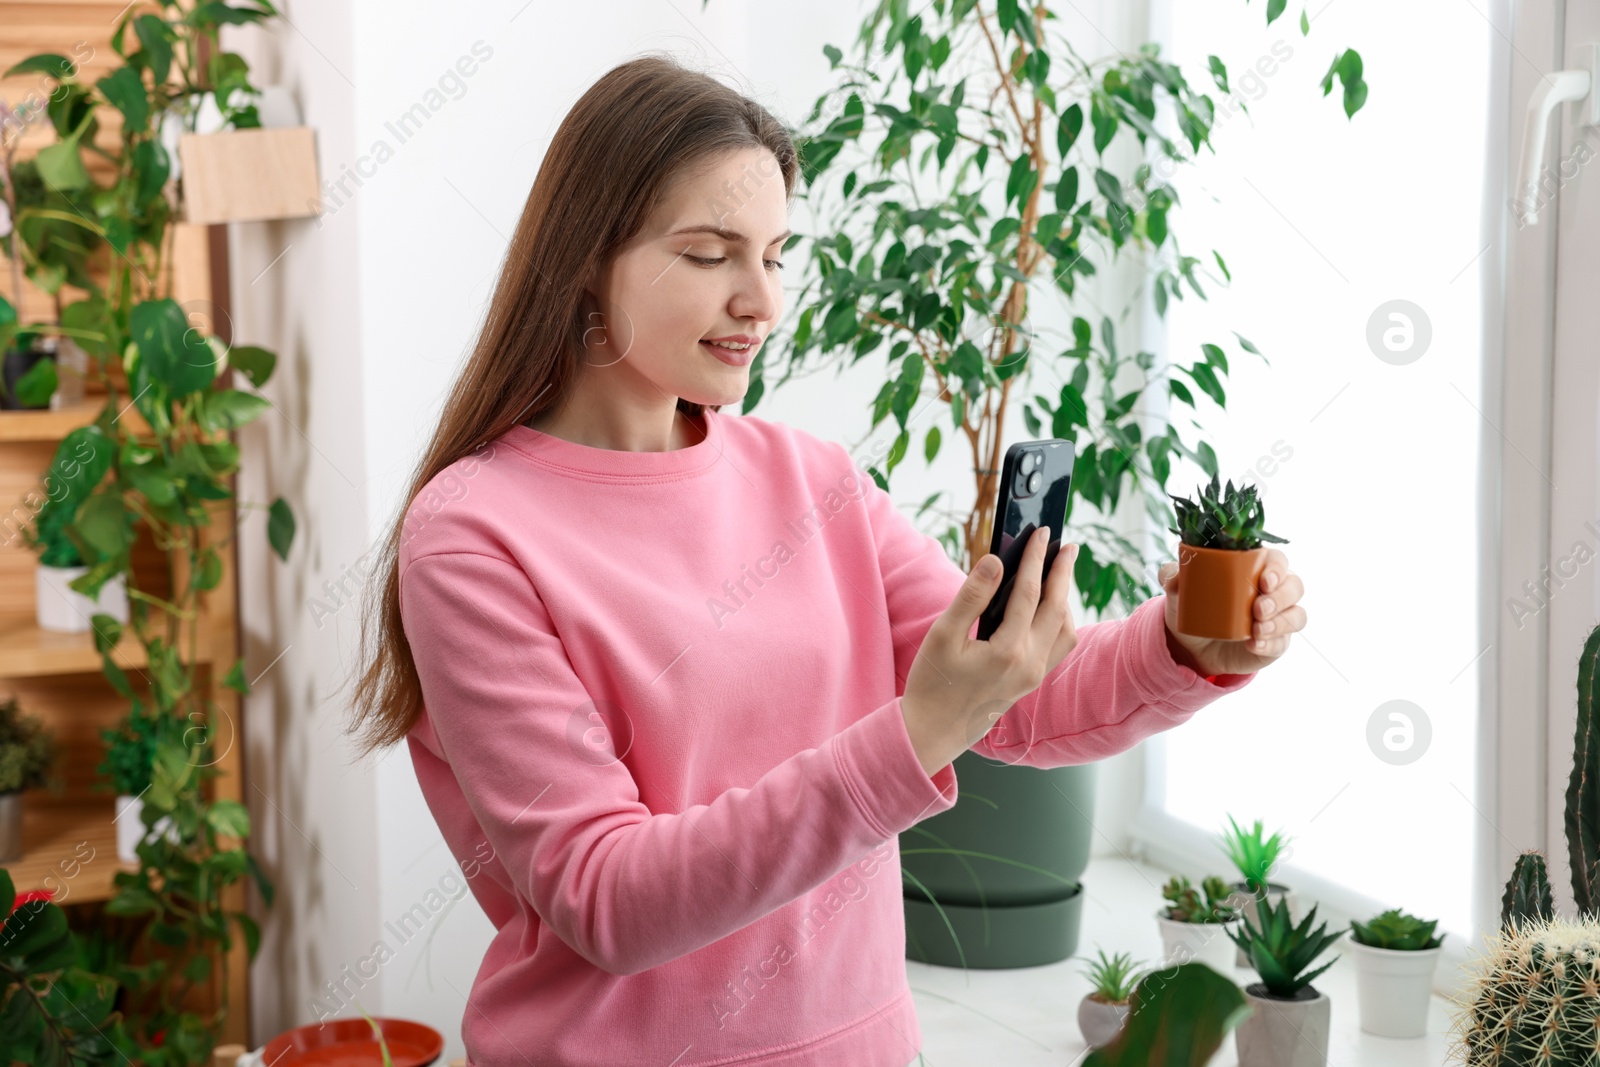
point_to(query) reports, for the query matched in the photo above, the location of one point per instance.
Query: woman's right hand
(958, 685)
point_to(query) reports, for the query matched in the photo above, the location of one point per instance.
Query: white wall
(371, 309)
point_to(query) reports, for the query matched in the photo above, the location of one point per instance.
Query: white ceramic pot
(1206, 943)
(1393, 987)
(1100, 1020)
(130, 828)
(65, 610)
(1245, 901)
(1284, 1033)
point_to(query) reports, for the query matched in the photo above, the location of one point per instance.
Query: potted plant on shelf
(1101, 1011)
(73, 579)
(1531, 996)
(1395, 957)
(1289, 1027)
(1220, 559)
(1256, 857)
(128, 765)
(171, 479)
(1195, 921)
(27, 751)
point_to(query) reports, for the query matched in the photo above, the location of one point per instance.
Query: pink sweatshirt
(663, 739)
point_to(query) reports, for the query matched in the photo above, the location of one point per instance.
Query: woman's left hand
(1276, 614)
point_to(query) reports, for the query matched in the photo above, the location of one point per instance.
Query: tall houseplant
(959, 170)
(171, 923)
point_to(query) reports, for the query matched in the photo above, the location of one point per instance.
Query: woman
(673, 681)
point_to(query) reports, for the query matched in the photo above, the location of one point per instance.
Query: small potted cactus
(1195, 923)
(1220, 560)
(1289, 1026)
(1395, 957)
(1256, 856)
(1101, 1011)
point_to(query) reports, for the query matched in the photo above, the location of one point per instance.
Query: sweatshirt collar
(611, 464)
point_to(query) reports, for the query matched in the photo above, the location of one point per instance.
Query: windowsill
(1028, 1017)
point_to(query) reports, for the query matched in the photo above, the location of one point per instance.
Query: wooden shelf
(70, 849)
(53, 425)
(26, 651)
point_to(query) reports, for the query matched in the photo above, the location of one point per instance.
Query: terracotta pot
(1100, 1020)
(1217, 590)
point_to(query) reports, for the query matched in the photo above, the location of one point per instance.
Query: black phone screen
(1034, 484)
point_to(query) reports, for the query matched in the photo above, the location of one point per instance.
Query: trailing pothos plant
(980, 177)
(110, 481)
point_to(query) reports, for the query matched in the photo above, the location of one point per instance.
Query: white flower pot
(1393, 987)
(1099, 1020)
(1284, 1033)
(1206, 943)
(130, 828)
(1246, 903)
(65, 610)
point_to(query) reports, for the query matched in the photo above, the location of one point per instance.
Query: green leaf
(35, 388)
(1206, 379)
(1068, 128)
(103, 521)
(229, 409)
(1215, 357)
(1104, 123)
(172, 353)
(229, 818)
(1219, 73)
(1305, 24)
(1109, 187)
(61, 166)
(48, 63)
(1274, 9)
(280, 528)
(1181, 391)
(156, 37)
(1178, 1017)
(930, 447)
(126, 92)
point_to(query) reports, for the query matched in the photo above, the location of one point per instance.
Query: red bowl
(350, 1043)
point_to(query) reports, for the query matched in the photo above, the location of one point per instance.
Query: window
(1357, 249)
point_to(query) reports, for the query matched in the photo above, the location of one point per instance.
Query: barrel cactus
(1535, 998)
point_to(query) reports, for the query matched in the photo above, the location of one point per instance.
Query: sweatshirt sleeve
(1116, 687)
(622, 885)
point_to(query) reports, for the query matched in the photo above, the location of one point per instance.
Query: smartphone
(1034, 483)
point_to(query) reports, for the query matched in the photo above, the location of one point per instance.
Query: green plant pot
(1014, 894)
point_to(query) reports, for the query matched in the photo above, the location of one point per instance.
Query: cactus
(1583, 788)
(1527, 893)
(1536, 994)
(1533, 999)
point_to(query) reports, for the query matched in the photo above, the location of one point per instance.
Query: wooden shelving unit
(58, 676)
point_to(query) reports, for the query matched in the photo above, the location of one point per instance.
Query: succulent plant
(1253, 854)
(1532, 999)
(1223, 518)
(1113, 977)
(1395, 929)
(27, 749)
(1279, 951)
(1527, 894)
(1189, 906)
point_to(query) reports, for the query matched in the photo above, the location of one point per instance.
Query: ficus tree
(963, 169)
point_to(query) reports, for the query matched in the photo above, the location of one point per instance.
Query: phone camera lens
(1034, 481)
(1029, 461)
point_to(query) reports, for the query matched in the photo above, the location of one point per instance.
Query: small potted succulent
(1220, 560)
(27, 751)
(128, 765)
(1289, 1026)
(1195, 921)
(1256, 856)
(1102, 1010)
(1395, 957)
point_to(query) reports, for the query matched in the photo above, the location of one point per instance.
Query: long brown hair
(613, 158)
